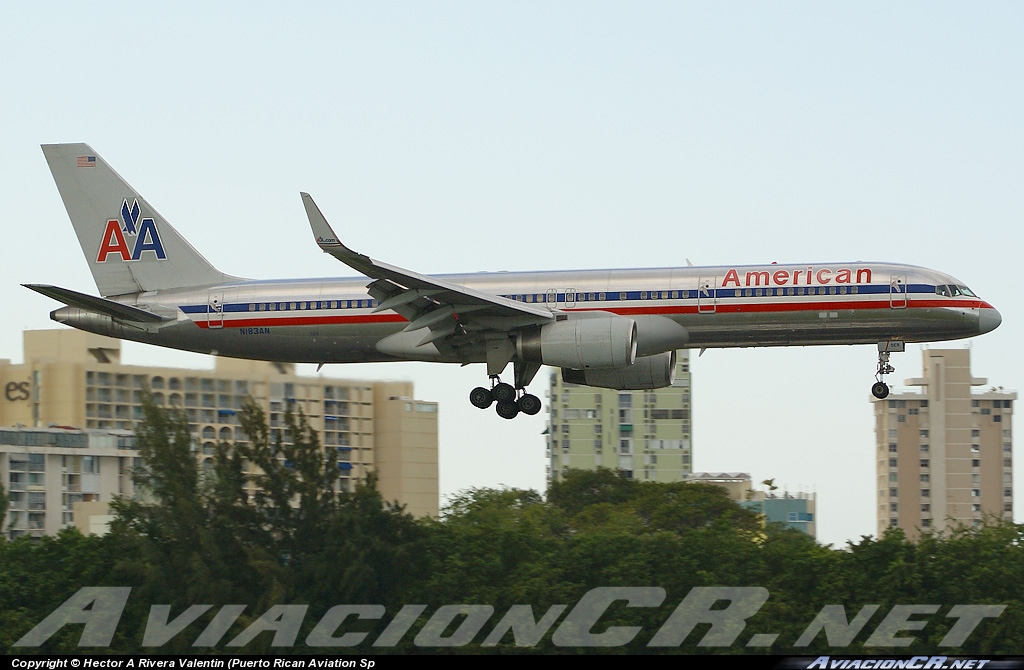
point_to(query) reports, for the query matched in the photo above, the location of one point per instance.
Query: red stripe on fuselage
(305, 321)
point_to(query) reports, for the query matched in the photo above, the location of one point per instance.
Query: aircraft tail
(129, 246)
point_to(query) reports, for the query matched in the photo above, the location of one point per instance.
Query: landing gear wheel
(481, 397)
(880, 390)
(507, 410)
(504, 393)
(529, 404)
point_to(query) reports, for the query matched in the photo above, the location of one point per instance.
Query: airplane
(616, 329)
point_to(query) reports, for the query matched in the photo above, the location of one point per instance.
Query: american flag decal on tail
(86, 161)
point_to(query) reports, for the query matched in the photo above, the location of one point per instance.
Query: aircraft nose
(988, 320)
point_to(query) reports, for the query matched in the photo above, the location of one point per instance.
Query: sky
(453, 137)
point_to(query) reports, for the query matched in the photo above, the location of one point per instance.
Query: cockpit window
(942, 290)
(954, 291)
(966, 291)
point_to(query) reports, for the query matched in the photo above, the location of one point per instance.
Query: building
(795, 510)
(646, 435)
(944, 453)
(57, 477)
(74, 378)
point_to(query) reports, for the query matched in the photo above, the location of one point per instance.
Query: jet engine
(594, 340)
(648, 372)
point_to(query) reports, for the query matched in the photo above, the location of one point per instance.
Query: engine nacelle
(648, 372)
(584, 342)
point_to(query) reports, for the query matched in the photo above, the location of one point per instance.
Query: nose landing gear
(880, 389)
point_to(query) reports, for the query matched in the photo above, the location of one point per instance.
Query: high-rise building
(944, 453)
(646, 435)
(73, 378)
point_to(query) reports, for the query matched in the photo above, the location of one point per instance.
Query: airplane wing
(91, 303)
(444, 307)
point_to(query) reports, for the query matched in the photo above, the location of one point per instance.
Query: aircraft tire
(481, 397)
(507, 410)
(504, 393)
(880, 390)
(529, 404)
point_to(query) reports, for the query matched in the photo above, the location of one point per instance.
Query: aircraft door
(707, 301)
(570, 297)
(898, 291)
(552, 298)
(215, 310)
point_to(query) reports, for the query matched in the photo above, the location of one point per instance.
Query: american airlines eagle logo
(117, 234)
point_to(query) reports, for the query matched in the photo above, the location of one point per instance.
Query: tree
(5, 503)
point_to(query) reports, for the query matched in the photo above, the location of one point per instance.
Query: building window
(975, 462)
(975, 433)
(925, 507)
(36, 463)
(924, 462)
(892, 507)
(975, 493)
(892, 448)
(923, 433)
(926, 523)
(924, 448)
(926, 493)
(893, 493)
(925, 478)
(892, 462)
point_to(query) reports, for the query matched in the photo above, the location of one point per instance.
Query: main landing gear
(511, 401)
(880, 389)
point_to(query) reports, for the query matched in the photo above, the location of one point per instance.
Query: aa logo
(117, 234)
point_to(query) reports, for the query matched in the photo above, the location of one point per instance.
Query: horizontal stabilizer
(93, 304)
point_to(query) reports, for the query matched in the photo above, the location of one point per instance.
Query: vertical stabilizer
(128, 245)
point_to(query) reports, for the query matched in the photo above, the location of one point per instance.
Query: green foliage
(285, 533)
(5, 503)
